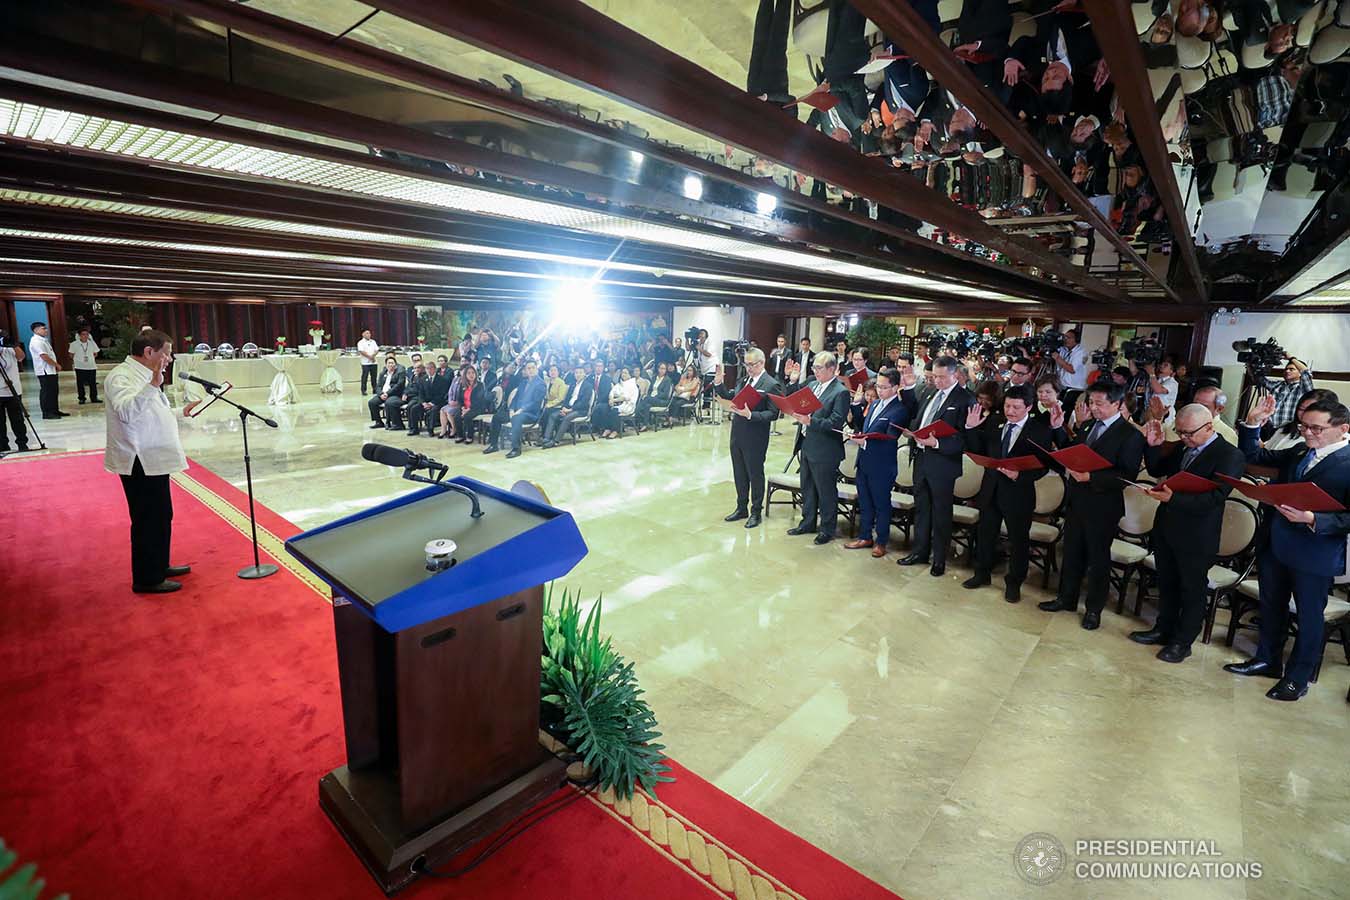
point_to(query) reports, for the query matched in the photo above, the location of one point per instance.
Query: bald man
(1213, 399)
(1186, 529)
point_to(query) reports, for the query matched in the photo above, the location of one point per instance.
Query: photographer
(707, 363)
(1072, 365)
(11, 396)
(1297, 382)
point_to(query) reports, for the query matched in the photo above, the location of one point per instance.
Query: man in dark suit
(778, 360)
(1186, 527)
(877, 465)
(750, 436)
(415, 394)
(1007, 496)
(1095, 502)
(1302, 551)
(804, 364)
(822, 449)
(601, 385)
(937, 465)
(1063, 57)
(388, 396)
(576, 404)
(434, 397)
(523, 407)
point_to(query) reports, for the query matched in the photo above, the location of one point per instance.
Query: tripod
(18, 398)
(258, 569)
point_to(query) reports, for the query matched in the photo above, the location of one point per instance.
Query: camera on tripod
(1142, 351)
(1266, 355)
(1103, 360)
(691, 335)
(733, 352)
(1044, 343)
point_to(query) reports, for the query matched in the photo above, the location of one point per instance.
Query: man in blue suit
(523, 407)
(1302, 551)
(877, 465)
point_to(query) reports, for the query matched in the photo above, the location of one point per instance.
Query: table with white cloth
(330, 382)
(283, 389)
(303, 370)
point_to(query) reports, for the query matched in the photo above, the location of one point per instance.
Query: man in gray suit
(821, 445)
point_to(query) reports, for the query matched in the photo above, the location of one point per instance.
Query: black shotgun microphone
(209, 385)
(402, 459)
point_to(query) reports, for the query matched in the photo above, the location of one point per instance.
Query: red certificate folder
(938, 429)
(818, 97)
(1296, 494)
(1016, 463)
(748, 397)
(1186, 483)
(1078, 458)
(856, 379)
(874, 436)
(803, 402)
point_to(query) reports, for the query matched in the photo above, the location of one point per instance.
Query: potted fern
(590, 700)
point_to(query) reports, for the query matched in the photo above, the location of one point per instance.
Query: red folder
(1296, 494)
(1016, 463)
(856, 379)
(748, 397)
(803, 402)
(819, 97)
(939, 429)
(874, 436)
(1078, 458)
(1186, 483)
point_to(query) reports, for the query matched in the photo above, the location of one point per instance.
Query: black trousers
(768, 50)
(368, 372)
(1018, 519)
(466, 423)
(151, 508)
(87, 378)
(1087, 552)
(934, 494)
(420, 417)
(820, 496)
(1183, 584)
(747, 470)
(13, 410)
(47, 394)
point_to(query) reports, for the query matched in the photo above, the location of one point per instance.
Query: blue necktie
(1008, 432)
(1303, 466)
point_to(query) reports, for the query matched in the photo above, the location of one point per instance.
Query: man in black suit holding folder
(1095, 501)
(821, 447)
(750, 435)
(937, 465)
(1007, 496)
(1186, 528)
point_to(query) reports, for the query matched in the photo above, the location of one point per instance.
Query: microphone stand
(441, 471)
(258, 569)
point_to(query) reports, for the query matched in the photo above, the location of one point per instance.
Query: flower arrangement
(316, 332)
(281, 343)
(421, 342)
(187, 341)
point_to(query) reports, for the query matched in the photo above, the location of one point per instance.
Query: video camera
(691, 335)
(1104, 360)
(1262, 356)
(1142, 351)
(733, 352)
(1045, 343)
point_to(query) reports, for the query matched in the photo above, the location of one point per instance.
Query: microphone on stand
(209, 385)
(411, 462)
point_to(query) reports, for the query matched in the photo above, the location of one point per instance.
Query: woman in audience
(474, 401)
(623, 398)
(990, 396)
(452, 398)
(553, 397)
(686, 392)
(1047, 395)
(659, 395)
(862, 398)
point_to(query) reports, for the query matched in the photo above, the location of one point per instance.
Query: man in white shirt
(85, 352)
(1163, 387)
(45, 367)
(1072, 364)
(367, 348)
(143, 448)
(11, 396)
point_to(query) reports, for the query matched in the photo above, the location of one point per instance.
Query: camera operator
(1072, 365)
(11, 399)
(1297, 382)
(1160, 385)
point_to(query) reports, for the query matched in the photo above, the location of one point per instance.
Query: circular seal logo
(1040, 858)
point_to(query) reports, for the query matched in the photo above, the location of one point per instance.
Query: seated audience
(388, 396)
(475, 399)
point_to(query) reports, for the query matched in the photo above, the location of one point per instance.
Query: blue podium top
(376, 558)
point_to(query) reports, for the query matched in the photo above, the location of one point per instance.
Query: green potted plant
(22, 883)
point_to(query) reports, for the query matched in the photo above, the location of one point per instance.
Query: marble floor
(913, 729)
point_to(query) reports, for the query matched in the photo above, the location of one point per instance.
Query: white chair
(1335, 618)
(847, 487)
(1130, 547)
(965, 518)
(1045, 524)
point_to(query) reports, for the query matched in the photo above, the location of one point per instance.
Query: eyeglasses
(1313, 429)
(1195, 431)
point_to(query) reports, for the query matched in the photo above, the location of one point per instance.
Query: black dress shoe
(1254, 667)
(823, 538)
(914, 559)
(1013, 593)
(752, 521)
(513, 454)
(797, 529)
(1287, 690)
(491, 448)
(177, 570)
(1056, 606)
(1092, 620)
(737, 516)
(975, 581)
(413, 432)
(1152, 636)
(937, 570)
(164, 587)
(376, 424)
(1174, 653)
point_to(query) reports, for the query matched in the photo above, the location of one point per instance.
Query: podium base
(365, 809)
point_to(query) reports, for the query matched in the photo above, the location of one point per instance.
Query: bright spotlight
(572, 297)
(766, 204)
(693, 187)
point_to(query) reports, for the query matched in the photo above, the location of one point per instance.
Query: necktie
(1303, 466)
(931, 412)
(871, 415)
(1009, 435)
(1095, 433)
(1188, 457)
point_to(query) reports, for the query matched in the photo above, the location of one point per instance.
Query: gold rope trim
(268, 542)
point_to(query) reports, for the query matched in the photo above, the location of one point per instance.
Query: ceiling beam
(898, 19)
(572, 41)
(1113, 24)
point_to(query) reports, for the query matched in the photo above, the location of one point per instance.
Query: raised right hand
(1057, 415)
(1262, 410)
(975, 416)
(1012, 70)
(1153, 433)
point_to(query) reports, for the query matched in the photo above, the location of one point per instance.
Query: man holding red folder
(877, 465)
(821, 451)
(1302, 551)
(937, 465)
(1187, 525)
(750, 425)
(1007, 496)
(1094, 498)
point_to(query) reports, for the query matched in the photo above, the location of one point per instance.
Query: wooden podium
(439, 670)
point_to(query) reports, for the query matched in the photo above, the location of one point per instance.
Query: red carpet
(171, 747)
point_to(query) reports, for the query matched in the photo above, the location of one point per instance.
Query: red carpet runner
(171, 747)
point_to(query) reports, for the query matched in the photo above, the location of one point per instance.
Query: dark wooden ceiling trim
(1113, 24)
(899, 19)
